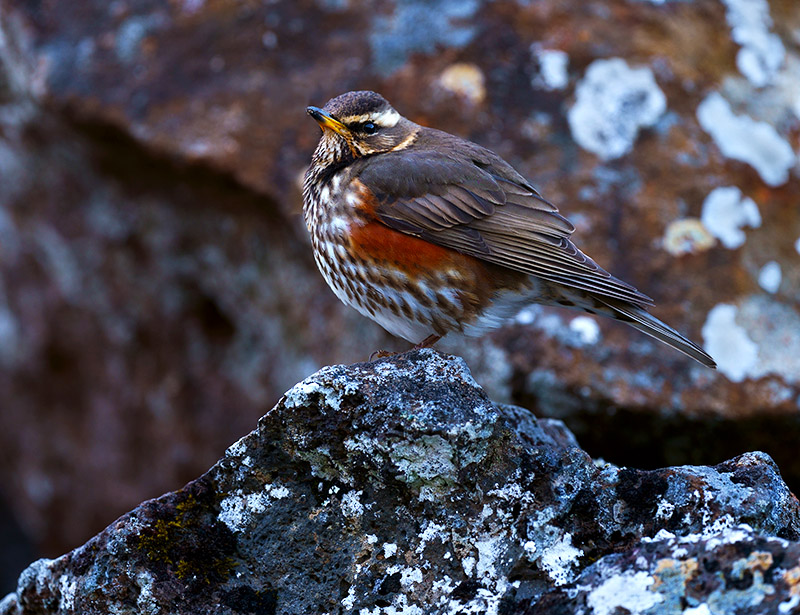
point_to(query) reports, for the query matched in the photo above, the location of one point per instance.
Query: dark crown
(356, 103)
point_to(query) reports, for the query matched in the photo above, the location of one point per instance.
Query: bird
(430, 234)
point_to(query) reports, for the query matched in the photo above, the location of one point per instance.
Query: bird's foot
(427, 342)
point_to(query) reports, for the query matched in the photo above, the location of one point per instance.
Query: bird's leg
(427, 342)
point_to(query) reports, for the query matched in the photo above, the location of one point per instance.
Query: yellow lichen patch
(171, 540)
(759, 560)
(792, 578)
(668, 568)
(686, 236)
(465, 80)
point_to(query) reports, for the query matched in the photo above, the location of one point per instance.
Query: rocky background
(157, 291)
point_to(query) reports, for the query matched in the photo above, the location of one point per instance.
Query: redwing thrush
(426, 233)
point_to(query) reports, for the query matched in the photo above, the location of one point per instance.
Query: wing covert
(479, 205)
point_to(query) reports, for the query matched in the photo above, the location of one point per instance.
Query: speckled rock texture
(397, 486)
(156, 285)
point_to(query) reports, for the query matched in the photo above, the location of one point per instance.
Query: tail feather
(647, 323)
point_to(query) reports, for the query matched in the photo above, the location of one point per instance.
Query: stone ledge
(397, 486)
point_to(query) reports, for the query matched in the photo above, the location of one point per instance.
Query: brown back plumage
(460, 196)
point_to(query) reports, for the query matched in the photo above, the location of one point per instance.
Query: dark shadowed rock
(398, 487)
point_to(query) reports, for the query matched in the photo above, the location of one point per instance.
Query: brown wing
(462, 196)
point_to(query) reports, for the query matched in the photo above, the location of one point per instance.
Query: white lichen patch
(425, 459)
(363, 443)
(790, 605)
(728, 342)
(612, 103)
(628, 591)
(146, 602)
(468, 564)
(464, 80)
(757, 338)
(726, 212)
(456, 369)
(769, 277)
(575, 332)
(238, 510)
(351, 504)
(701, 609)
(303, 393)
(389, 549)
(663, 534)
(722, 533)
(410, 577)
(796, 106)
(529, 547)
(486, 602)
(399, 606)
(664, 510)
(762, 53)
(350, 599)
(277, 492)
(490, 550)
(559, 559)
(742, 138)
(38, 574)
(238, 448)
(586, 329)
(432, 531)
(67, 589)
(775, 328)
(797, 245)
(552, 67)
(687, 236)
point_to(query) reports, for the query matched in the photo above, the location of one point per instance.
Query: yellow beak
(325, 120)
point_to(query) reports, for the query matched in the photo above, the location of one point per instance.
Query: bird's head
(358, 124)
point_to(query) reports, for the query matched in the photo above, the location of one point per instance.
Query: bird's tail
(647, 323)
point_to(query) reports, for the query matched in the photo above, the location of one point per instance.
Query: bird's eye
(369, 128)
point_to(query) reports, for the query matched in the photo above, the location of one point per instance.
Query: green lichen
(190, 543)
(427, 460)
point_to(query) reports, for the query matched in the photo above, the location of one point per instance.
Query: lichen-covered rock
(730, 570)
(397, 486)
(154, 272)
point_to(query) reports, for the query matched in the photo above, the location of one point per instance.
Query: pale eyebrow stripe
(386, 119)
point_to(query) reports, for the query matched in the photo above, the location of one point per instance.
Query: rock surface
(398, 487)
(156, 286)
